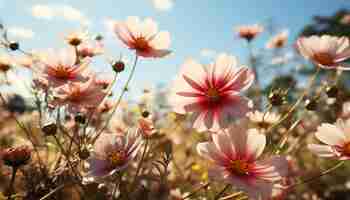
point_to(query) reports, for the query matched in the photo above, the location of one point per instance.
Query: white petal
(322, 150)
(255, 143)
(330, 134)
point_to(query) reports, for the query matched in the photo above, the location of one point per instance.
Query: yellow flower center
(324, 58)
(141, 44)
(117, 158)
(239, 167)
(213, 94)
(61, 72)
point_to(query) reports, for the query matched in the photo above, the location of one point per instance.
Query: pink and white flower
(78, 96)
(113, 153)
(90, 49)
(59, 67)
(213, 93)
(234, 154)
(278, 41)
(249, 32)
(325, 51)
(143, 37)
(336, 139)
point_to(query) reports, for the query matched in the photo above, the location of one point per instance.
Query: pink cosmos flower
(113, 153)
(249, 32)
(235, 154)
(336, 139)
(325, 51)
(212, 93)
(346, 19)
(90, 49)
(146, 127)
(143, 37)
(278, 41)
(59, 67)
(78, 96)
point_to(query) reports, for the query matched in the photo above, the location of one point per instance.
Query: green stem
(118, 101)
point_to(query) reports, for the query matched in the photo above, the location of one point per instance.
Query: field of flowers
(219, 131)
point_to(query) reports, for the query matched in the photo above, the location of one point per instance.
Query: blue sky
(194, 26)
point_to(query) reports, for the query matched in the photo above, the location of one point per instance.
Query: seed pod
(80, 118)
(17, 156)
(49, 129)
(84, 154)
(145, 114)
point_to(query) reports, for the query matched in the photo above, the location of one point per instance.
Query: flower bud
(277, 97)
(14, 46)
(118, 66)
(17, 156)
(311, 104)
(80, 118)
(145, 114)
(332, 91)
(49, 128)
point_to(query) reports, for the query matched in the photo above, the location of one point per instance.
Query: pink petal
(323, 150)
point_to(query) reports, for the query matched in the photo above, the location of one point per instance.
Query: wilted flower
(17, 156)
(143, 37)
(79, 97)
(5, 63)
(278, 41)
(113, 153)
(336, 139)
(58, 67)
(249, 32)
(263, 120)
(325, 51)
(212, 93)
(235, 154)
(76, 38)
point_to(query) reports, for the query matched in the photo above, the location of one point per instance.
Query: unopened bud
(332, 91)
(14, 46)
(277, 97)
(49, 129)
(311, 104)
(17, 156)
(118, 66)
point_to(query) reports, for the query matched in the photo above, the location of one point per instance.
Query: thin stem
(284, 138)
(119, 100)
(221, 192)
(13, 177)
(52, 192)
(140, 163)
(336, 166)
(196, 190)
(236, 194)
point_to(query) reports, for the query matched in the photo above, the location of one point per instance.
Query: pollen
(324, 58)
(141, 44)
(239, 167)
(213, 94)
(117, 158)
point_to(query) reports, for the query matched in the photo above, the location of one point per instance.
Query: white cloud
(21, 32)
(163, 5)
(209, 53)
(42, 11)
(64, 11)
